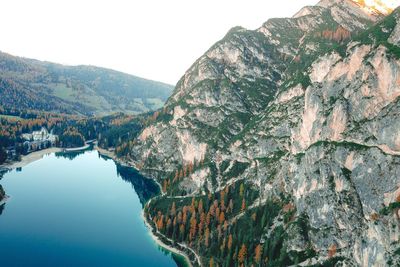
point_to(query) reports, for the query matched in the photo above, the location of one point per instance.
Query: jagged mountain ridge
(88, 90)
(320, 132)
(240, 75)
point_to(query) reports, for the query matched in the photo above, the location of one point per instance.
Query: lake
(77, 209)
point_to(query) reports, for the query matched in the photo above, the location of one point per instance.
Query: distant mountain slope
(32, 84)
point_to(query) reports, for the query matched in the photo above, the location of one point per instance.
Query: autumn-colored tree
(254, 216)
(155, 115)
(242, 254)
(243, 204)
(193, 225)
(211, 262)
(206, 237)
(221, 217)
(230, 241)
(202, 223)
(222, 195)
(184, 216)
(217, 212)
(208, 218)
(212, 210)
(193, 205)
(222, 205)
(226, 225)
(332, 250)
(160, 222)
(173, 209)
(258, 254)
(164, 188)
(219, 230)
(200, 207)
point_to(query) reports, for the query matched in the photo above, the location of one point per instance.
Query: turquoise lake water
(77, 210)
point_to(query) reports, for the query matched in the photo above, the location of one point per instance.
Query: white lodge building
(39, 140)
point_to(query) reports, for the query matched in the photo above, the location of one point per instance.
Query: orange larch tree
(242, 254)
(258, 254)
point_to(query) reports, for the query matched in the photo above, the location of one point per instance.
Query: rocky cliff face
(303, 109)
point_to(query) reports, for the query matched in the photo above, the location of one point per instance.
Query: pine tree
(241, 190)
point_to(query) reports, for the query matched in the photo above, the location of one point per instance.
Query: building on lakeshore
(38, 140)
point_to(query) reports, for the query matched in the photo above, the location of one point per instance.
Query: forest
(112, 131)
(225, 229)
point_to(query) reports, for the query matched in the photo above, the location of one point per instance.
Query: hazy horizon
(156, 40)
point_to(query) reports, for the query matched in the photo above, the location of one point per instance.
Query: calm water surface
(77, 210)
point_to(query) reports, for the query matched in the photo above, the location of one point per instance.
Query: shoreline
(4, 200)
(105, 152)
(160, 243)
(74, 149)
(31, 157)
(151, 229)
(38, 155)
(111, 155)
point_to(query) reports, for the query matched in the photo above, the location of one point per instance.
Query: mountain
(281, 146)
(32, 84)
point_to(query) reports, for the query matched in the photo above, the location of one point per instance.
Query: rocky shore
(3, 195)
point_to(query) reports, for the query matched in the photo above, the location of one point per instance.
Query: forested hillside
(28, 84)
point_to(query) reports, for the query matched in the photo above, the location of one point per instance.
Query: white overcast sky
(155, 39)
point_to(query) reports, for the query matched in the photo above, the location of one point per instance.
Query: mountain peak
(384, 7)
